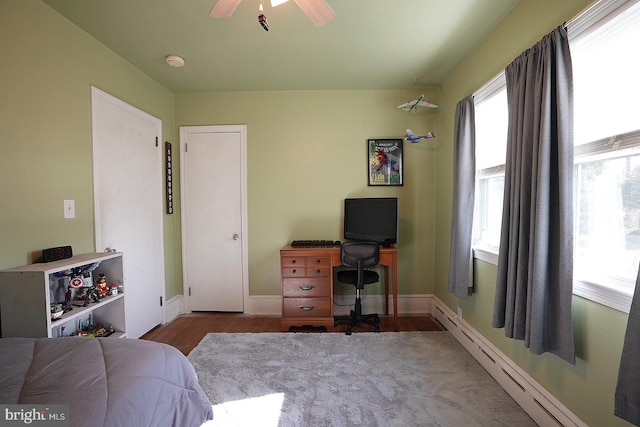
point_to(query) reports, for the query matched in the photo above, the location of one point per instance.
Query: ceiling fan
(318, 11)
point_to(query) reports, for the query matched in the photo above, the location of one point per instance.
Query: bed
(105, 381)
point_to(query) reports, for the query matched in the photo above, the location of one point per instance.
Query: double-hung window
(491, 148)
(606, 78)
(606, 70)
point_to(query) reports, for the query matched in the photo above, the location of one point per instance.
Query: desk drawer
(309, 261)
(313, 261)
(294, 271)
(306, 307)
(293, 261)
(318, 271)
(306, 287)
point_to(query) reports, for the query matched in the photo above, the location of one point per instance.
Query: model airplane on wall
(413, 105)
(410, 136)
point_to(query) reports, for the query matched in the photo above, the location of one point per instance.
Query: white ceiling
(370, 45)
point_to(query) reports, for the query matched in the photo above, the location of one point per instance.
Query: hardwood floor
(185, 332)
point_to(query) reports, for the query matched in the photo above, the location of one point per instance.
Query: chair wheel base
(354, 320)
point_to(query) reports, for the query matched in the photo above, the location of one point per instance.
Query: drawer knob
(306, 287)
(293, 261)
(307, 307)
(318, 261)
(294, 271)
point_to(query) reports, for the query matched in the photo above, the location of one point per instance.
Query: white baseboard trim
(271, 305)
(260, 305)
(407, 304)
(173, 308)
(264, 305)
(541, 405)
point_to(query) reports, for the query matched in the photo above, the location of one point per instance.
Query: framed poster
(384, 161)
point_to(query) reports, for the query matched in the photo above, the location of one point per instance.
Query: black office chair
(361, 255)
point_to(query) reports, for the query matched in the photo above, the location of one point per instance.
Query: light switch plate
(69, 209)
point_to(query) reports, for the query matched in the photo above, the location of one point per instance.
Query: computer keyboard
(315, 243)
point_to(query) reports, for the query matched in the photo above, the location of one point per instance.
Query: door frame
(185, 131)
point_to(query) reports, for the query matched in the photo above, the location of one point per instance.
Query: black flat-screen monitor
(371, 219)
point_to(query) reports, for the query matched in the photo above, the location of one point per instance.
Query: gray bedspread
(105, 381)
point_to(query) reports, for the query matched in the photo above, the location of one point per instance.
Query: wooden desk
(307, 284)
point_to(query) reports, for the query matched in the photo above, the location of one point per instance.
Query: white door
(214, 236)
(128, 203)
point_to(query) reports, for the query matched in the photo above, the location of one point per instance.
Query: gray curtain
(627, 403)
(464, 170)
(535, 264)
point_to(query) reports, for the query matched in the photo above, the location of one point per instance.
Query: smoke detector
(174, 61)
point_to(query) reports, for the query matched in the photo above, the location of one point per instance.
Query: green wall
(306, 152)
(587, 388)
(45, 128)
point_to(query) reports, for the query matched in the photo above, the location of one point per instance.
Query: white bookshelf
(26, 295)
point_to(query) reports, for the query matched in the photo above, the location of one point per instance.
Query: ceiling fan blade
(224, 8)
(317, 10)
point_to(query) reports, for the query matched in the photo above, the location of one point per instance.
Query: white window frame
(482, 251)
(612, 293)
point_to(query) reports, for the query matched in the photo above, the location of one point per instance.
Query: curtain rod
(595, 11)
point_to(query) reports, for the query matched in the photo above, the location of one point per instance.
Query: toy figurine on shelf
(66, 305)
(56, 311)
(77, 283)
(93, 331)
(93, 294)
(102, 286)
(86, 295)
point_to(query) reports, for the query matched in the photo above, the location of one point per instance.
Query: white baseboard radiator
(541, 405)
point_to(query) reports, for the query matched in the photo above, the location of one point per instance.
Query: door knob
(236, 237)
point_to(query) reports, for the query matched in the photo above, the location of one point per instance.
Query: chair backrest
(360, 254)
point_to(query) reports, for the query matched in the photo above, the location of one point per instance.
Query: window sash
(612, 291)
(614, 146)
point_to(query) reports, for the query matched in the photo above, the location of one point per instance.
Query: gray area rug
(366, 379)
